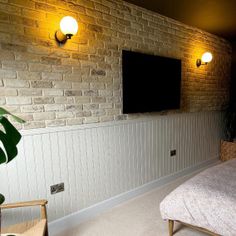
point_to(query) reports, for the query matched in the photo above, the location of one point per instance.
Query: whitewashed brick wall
(80, 82)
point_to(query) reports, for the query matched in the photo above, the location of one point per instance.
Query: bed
(206, 202)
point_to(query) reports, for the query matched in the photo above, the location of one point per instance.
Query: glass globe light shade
(68, 25)
(207, 57)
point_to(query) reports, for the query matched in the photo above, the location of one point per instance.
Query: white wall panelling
(100, 161)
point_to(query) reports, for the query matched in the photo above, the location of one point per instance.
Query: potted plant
(9, 138)
(228, 146)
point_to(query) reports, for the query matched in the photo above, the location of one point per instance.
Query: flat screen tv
(150, 83)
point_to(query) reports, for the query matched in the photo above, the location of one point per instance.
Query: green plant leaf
(3, 157)
(5, 112)
(9, 146)
(2, 199)
(9, 139)
(12, 133)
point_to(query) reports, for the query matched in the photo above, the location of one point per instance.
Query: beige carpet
(137, 217)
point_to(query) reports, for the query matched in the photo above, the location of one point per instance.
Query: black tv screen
(150, 83)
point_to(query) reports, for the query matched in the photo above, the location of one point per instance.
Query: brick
(41, 84)
(72, 77)
(75, 121)
(64, 100)
(113, 112)
(45, 7)
(16, 83)
(39, 50)
(102, 8)
(55, 123)
(98, 99)
(44, 116)
(18, 100)
(34, 125)
(106, 105)
(10, 9)
(43, 100)
(97, 85)
(27, 75)
(60, 54)
(32, 108)
(53, 92)
(51, 76)
(29, 92)
(98, 113)
(54, 107)
(90, 92)
(80, 56)
(90, 107)
(95, 28)
(62, 69)
(121, 117)
(7, 74)
(83, 113)
(98, 72)
(86, 19)
(25, 3)
(73, 107)
(73, 93)
(80, 85)
(8, 92)
(106, 118)
(13, 47)
(63, 115)
(6, 55)
(82, 99)
(62, 85)
(77, 8)
(25, 56)
(23, 20)
(36, 13)
(88, 120)
(39, 67)
(14, 65)
(51, 60)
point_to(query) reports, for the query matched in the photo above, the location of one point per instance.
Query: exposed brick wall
(80, 82)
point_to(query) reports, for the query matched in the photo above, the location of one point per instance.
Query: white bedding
(207, 200)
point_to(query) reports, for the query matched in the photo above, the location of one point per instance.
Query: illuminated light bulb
(68, 28)
(207, 57)
(68, 25)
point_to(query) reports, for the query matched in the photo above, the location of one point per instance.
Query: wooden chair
(36, 227)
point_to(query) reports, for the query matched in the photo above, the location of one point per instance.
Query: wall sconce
(206, 58)
(68, 28)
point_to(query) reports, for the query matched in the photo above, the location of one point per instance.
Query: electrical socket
(172, 153)
(57, 188)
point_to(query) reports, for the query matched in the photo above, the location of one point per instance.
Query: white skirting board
(72, 220)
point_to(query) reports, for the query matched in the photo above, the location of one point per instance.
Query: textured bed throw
(207, 200)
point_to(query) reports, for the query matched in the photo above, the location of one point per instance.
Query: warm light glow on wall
(68, 28)
(206, 58)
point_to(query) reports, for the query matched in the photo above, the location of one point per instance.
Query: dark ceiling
(215, 16)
